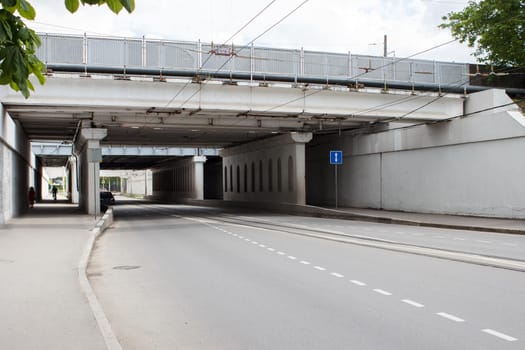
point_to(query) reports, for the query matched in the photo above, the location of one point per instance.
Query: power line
(361, 74)
(250, 43)
(226, 41)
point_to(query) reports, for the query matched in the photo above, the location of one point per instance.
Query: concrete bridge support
(472, 165)
(269, 170)
(183, 179)
(89, 156)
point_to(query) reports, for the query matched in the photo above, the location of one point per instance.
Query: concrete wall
(270, 170)
(177, 180)
(472, 165)
(15, 162)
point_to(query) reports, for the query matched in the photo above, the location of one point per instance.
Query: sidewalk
(42, 303)
(514, 226)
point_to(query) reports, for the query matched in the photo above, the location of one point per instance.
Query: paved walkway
(41, 302)
(515, 226)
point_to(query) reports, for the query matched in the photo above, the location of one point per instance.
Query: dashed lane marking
(499, 335)
(413, 303)
(305, 262)
(292, 257)
(319, 268)
(450, 317)
(359, 283)
(383, 292)
(338, 275)
(281, 253)
(271, 249)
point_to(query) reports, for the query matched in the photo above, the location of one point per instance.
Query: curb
(110, 339)
(310, 210)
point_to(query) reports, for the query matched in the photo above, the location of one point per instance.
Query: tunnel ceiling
(168, 127)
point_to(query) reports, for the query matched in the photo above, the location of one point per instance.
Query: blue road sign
(336, 157)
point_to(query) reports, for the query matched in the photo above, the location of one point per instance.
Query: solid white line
(305, 262)
(413, 303)
(359, 283)
(335, 274)
(281, 253)
(499, 335)
(319, 268)
(271, 249)
(292, 257)
(384, 292)
(101, 319)
(450, 317)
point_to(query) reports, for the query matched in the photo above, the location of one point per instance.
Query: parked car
(106, 198)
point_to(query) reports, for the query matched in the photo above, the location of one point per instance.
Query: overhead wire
(225, 42)
(249, 45)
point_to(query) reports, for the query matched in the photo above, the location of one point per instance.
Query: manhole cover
(126, 267)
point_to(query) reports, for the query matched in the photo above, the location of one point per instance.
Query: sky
(356, 26)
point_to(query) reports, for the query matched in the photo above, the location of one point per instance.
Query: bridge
(272, 113)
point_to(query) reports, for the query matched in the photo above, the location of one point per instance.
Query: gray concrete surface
(41, 301)
(174, 278)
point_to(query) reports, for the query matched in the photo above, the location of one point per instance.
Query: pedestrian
(31, 196)
(54, 190)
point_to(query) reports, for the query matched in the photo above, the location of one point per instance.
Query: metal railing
(164, 55)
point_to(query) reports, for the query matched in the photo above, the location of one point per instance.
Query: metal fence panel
(133, 53)
(453, 73)
(276, 61)
(423, 72)
(59, 49)
(368, 67)
(106, 52)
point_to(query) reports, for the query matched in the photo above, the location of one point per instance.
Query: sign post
(336, 158)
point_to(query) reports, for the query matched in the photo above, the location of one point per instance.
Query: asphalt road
(175, 277)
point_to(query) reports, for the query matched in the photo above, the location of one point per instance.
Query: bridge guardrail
(95, 51)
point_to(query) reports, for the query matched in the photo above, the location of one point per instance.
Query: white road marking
(262, 246)
(450, 317)
(281, 253)
(459, 239)
(438, 236)
(305, 262)
(292, 257)
(499, 335)
(413, 303)
(271, 249)
(335, 274)
(254, 242)
(241, 237)
(482, 241)
(247, 240)
(236, 235)
(359, 283)
(319, 268)
(384, 292)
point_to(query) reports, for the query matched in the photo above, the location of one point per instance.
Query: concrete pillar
(198, 173)
(269, 170)
(89, 155)
(73, 171)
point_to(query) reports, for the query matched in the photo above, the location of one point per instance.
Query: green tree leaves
(495, 27)
(18, 43)
(114, 5)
